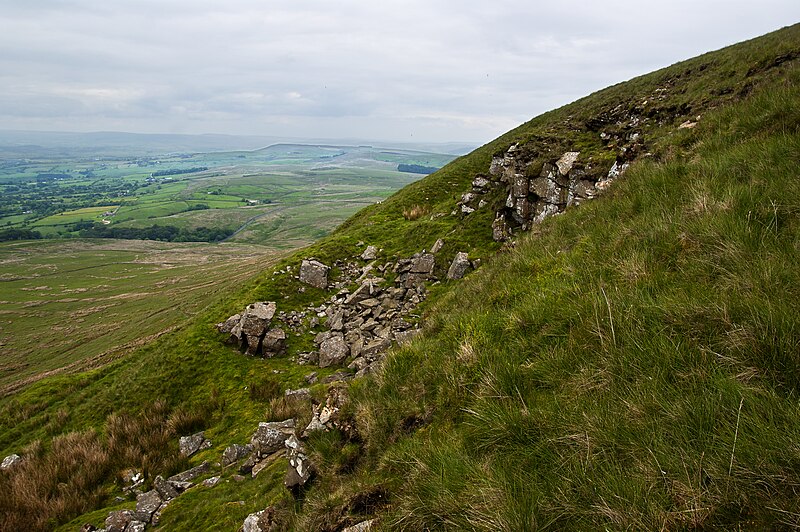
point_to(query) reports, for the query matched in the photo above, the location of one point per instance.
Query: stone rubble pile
(359, 324)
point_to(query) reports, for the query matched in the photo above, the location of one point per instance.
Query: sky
(413, 71)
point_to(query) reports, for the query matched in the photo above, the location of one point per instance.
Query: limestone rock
(118, 521)
(147, 504)
(480, 184)
(500, 229)
(273, 343)
(165, 490)
(10, 461)
(404, 337)
(136, 526)
(437, 246)
(371, 253)
(314, 273)
(333, 351)
(263, 521)
(234, 453)
(459, 266)
(566, 162)
(191, 444)
(227, 326)
(300, 469)
(191, 474)
(269, 437)
(363, 526)
(423, 264)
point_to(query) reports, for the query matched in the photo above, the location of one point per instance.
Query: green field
(75, 305)
(58, 196)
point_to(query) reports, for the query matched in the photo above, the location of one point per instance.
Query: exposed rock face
(539, 189)
(191, 444)
(10, 461)
(251, 330)
(314, 273)
(269, 437)
(459, 266)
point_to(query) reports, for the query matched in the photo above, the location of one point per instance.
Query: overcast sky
(414, 70)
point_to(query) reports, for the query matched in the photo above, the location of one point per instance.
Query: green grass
(79, 304)
(631, 364)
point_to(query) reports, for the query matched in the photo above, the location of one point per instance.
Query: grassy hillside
(630, 364)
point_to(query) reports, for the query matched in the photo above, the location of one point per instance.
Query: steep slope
(630, 363)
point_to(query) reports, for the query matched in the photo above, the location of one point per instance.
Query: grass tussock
(415, 212)
(78, 470)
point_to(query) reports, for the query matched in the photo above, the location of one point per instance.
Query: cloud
(436, 70)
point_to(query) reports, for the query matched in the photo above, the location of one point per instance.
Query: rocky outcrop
(252, 332)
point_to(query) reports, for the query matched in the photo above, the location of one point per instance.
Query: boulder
(363, 526)
(273, 343)
(437, 246)
(424, 263)
(480, 184)
(10, 461)
(211, 482)
(227, 326)
(234, 453)
(269, 437)
(333, 351)
(566, 162)
(459, 266)
(136, 526)
(146, 505)
(118, 521)
(165, 490)
(314, 273)
(263, 521)
(191, 474)
(191, 444)
(376, 346)
(300, 470)
(371, 253)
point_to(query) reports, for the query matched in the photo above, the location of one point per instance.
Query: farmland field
(281, 196)
(70, 305)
